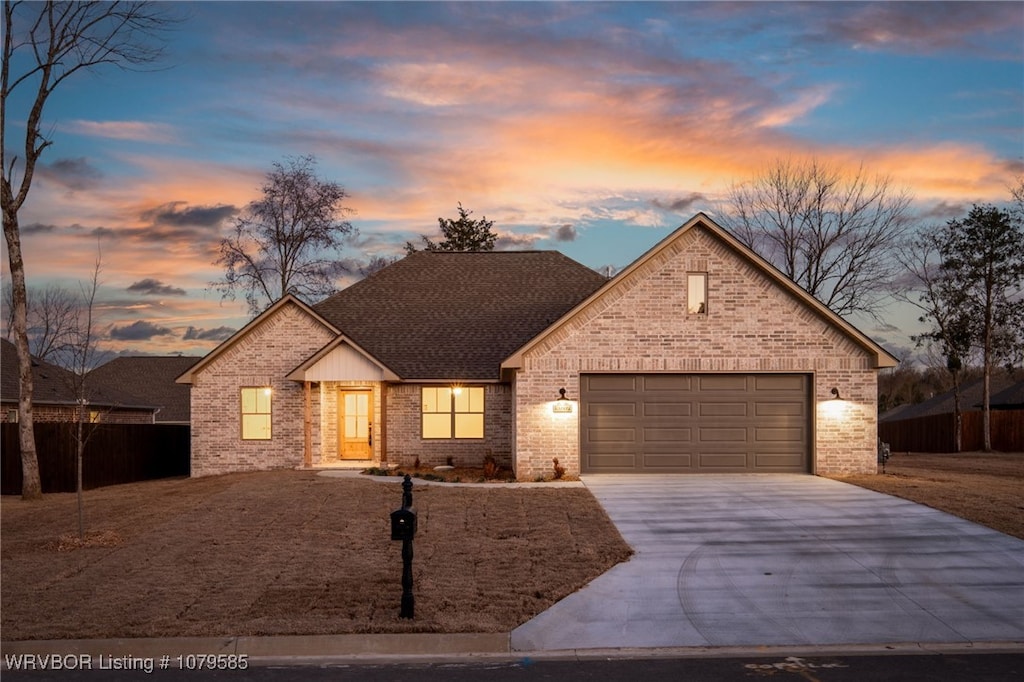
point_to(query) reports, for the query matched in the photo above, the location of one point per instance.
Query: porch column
(307, 455)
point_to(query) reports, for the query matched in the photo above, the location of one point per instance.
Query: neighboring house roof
(1011, 398)
(151, 379)
(701, 221)
(457, 315)
(53, 385)
(890, 415)
(970, 400)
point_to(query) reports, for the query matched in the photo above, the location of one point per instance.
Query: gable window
(697, 293)
(453, 412)
(256, 413)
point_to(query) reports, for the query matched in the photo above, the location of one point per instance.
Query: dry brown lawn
(985, 488)
(291, 552)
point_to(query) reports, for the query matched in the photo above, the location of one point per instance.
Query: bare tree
(81, 350)
(943, 304)
(51, 317)
(286, 242)
(46, 43)
(376, 264)
(828, 230)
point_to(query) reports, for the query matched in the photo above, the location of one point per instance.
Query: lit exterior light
(563, 405)
(835, 394)
(267, 390)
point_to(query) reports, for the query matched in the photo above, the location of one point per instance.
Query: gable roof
(54, 385)
(151, 378)
(457, 315)
(287, 299)
(701, 221)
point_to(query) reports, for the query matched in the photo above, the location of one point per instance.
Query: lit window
(449, 413)
(697, 293)
(256, 413)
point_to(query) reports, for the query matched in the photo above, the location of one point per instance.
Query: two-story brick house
(698, 357)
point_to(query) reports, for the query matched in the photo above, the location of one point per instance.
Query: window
(697, 293)
(256, 413)
(453, 412)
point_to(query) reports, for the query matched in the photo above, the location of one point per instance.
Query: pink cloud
(139, 131)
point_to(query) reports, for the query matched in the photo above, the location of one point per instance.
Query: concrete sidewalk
(785, 560)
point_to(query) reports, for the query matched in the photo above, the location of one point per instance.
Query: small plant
(450, 461)
(491, 467)
(416, 462)
(559, 469)
(377, 471)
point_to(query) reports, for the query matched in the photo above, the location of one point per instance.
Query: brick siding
(262, 357)
(751, 326)
(405, 444)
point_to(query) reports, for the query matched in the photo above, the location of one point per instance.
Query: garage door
(680, 423)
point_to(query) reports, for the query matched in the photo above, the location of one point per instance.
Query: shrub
(491, 467)
(559, 469)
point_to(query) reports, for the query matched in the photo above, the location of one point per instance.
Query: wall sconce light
(835, 394)
(563, 405)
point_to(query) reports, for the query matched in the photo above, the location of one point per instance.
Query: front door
(355, 427)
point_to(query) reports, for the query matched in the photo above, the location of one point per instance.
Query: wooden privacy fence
(114, 453)
(935, 433)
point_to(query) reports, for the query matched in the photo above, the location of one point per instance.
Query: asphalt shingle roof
(151, 380)
(55, 385)
(444, 315)
(970, 400)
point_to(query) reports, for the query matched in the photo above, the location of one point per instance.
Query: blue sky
(591, 128)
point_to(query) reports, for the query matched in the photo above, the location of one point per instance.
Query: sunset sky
(590, 128)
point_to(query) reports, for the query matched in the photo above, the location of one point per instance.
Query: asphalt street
(774, 666)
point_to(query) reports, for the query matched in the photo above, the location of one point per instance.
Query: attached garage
(695, 423)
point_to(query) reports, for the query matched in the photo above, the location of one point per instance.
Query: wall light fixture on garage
(836, 407)
(563, 405)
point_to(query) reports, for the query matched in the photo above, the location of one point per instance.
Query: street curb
(291, 647)
(377, 649)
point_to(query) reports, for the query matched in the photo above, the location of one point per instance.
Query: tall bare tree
(286, 241)
(827, 229)
(44, 44)
(943, 305)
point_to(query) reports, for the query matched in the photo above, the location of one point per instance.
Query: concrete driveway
(760, 559)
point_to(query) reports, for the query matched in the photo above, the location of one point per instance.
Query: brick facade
(405, 444)
(262, 356)
(752, 325)
(639, 324)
